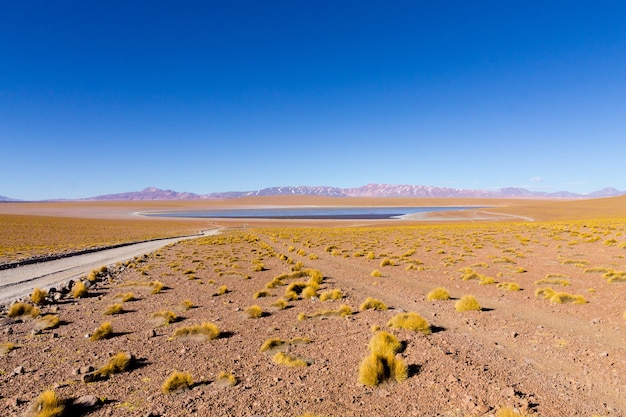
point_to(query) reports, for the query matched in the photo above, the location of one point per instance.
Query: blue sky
(204, 96)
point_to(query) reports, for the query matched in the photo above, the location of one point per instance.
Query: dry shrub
(387, 262)
(202, 332)
(157, 287)
(376, 273)
(377, 368)
(261, 294)
(22, 309)
(467, 303)
(6, 347)
(163, 317)
(335, 294)
(552, 281)
(272, 344)
(103, 332)
(38, 296)
(373, 304)
(48, 404)
(254, 312)
(509, 286)
(114, 309)
(186, 305)
(384, 343)
(280, 304)
(509, 412)
(226, 379)
(562, 298)
(544, 292)
(410, 321)
(49, 321)
(221, 290)
(79, 290)
(124, 297)
(438, 294)
(118, 363)
(343, 311)
(309, 291)
(282, 358)
(177, 381)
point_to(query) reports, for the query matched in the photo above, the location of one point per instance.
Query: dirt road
(20, 281)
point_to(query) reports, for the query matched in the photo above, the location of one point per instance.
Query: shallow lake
(326, 213)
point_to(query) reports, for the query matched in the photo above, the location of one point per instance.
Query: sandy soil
(520, 351)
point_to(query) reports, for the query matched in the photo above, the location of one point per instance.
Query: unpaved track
(20, 281)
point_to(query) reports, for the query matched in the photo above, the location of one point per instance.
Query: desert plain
(290, 329)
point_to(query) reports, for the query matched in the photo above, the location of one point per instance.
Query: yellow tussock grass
(103, 332)
(563, 298)
(48, 404)
(254, 312)
(114, 309)
(384, 343)
(226, 379)
(438, 294)
(201, 332)
(467, 303)
(117, 363)
(38, 296)
(7, 347)
(282, 358)
(124, 297)
(261, 294)
(377, 368)
(177, 381)
(79, 290)
(163, 317)
(376, 273)
(373, 304)
(49, 321)
(22, 309)
(157, 287)
(335, 294)
(509, 286)
(509, 412)
(410, 321)
(279, 304)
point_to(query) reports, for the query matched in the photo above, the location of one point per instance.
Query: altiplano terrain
(287, 327)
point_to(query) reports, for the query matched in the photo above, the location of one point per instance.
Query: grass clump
(48, 404)
(562, 298)
(376, 273)
(544, 292)
(282, 358)
(467, 303)
(79, 290)
(114, 309)
(438, 294)
(335, 294)
(124, 297)
(309, 291)
(226, 379)
(38, 296)
(177, 381)
(7, 347)
(272, 344)
(509, 286)
(373, 304)
(261, 294)
(163, 317)
(221, 290)
(22, 309)
(202, 332)
(280, 304)
(387, 262)
(157, 287)
(186, 305)
(382, 364)
(509, 412)
(103, 332)
(118, 363)
(49, 321)
(410, 321)
(254, 312)
(552, 281)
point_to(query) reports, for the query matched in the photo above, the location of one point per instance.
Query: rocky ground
(519, 351)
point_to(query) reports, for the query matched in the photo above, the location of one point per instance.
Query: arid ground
(549, 338)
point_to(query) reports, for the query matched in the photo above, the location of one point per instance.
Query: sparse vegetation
(438, 294)
(49, 321)
(177, 381)
(410, 321)
(373, 304)
(283, 358)
(202, 332)
(467, 303)
(118, 363)
(48, 404)
(226, 379)
(38, 296)
(163, 317)
(104, 331)
(79, 290)
(22, 310)
(254, 312)
(114, 309)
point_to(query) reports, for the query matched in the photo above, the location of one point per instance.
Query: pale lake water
(326, 213)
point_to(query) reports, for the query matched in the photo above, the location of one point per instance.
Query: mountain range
(370, 190)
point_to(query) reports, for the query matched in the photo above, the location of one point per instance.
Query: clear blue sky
(206, 96)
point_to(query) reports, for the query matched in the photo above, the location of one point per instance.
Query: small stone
(86, 401)
(18, 371)
(482, 408)
(514, 335)
(150, 333)
(91, 377)
(603, 354)
(86, 369)
(509, 392)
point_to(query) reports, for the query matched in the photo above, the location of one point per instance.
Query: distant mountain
(150, 193)
(3, 198)
(370, 190)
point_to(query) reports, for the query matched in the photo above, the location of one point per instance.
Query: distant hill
(3, 198)
(370, 190)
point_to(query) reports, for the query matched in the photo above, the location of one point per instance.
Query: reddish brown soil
(520, 351)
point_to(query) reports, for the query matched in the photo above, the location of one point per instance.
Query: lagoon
(325, 213)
